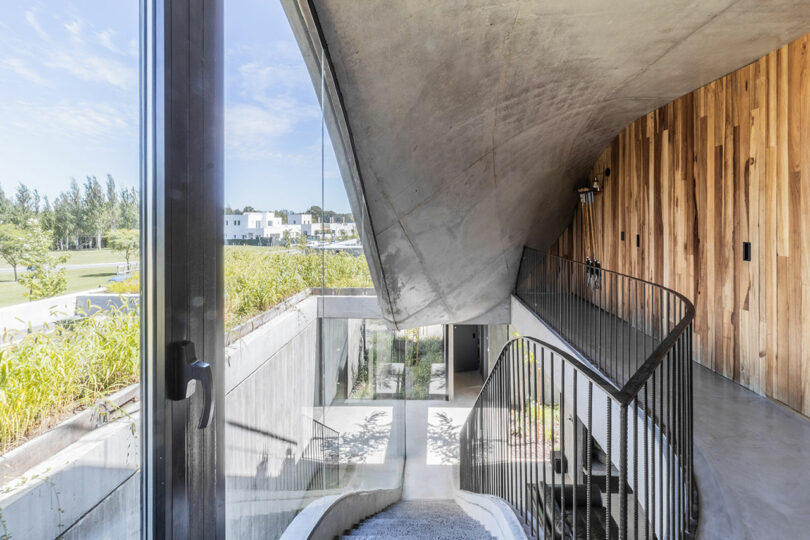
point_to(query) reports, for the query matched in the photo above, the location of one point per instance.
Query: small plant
(131, 285)
(126, 241)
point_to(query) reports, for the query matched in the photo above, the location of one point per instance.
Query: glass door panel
(70, 275)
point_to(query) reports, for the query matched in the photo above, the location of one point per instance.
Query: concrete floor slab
(751, 463)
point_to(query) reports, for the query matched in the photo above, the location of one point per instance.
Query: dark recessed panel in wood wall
(726, 164)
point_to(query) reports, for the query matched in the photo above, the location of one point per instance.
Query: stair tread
(416, 520)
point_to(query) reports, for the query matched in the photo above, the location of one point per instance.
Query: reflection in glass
(69, 275)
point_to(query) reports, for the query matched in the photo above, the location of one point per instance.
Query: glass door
(71, 229)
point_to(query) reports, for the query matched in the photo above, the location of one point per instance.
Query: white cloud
(260, 80)
(249, 129)
(76, 29)
(63, 119)
(93, 68)
(106, 40)
(31, 17)
(22, 69)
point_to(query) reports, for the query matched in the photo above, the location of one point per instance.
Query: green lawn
(85, 256)
(77, 280)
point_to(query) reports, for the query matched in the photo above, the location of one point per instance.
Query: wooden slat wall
(725, 164)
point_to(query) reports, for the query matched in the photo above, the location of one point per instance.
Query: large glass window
(69, 269)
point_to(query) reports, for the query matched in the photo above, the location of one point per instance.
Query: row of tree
(81, 217)
(35, 234)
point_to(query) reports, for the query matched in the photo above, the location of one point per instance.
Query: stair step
(417, 520)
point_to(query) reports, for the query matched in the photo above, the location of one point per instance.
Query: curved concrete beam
(469, 124)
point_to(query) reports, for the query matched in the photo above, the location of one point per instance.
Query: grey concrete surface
(751, 463)
(432, 429)
(418, 520)
(328, 517)
(469, 124)
(493, 513)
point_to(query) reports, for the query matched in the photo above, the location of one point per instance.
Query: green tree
(112, 209)
(128, 209)
(74, 208)
(127, 241)
(46, 272)
(12, 245)
(25, 205)
(46, 216)
(5, 207)
(62, 221)
(93, 211)
(247, 209)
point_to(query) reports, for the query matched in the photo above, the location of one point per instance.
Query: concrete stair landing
(417, 520)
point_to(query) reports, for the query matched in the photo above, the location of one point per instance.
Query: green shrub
(256, 281)
(131, 285)
(48, 374)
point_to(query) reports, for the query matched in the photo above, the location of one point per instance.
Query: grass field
(86, 256)
(77, 280)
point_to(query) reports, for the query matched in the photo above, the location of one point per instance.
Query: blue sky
(69, 102)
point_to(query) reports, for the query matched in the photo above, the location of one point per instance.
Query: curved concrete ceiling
(473, 122)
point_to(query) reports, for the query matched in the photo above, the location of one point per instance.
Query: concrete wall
(85, 490)
(271, 396)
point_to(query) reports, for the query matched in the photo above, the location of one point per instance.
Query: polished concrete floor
(431, 467)
(752, 463)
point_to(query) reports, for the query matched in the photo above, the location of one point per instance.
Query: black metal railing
(323, 453)
(596, 448)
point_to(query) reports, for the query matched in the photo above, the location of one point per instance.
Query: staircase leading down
(418, 520)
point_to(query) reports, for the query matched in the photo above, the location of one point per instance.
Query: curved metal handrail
(637, 380)
(657, 393)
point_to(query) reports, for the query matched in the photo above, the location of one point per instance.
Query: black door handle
(182, 368)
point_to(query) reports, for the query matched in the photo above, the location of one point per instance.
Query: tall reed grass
(255, 281)
(56, 371)
(51, 373)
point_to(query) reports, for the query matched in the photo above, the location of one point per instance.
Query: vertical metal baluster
(553, 465)
(651, 487)
(623, 472)
(661, 450)
(646, 465)
(669, 358)
(522, 389)
(690, 471)
(543, 432)
(589, 457)
(512, 482)
(635, 466)
(576, 463)
(535, 525)
(562, 454)
(609, 469)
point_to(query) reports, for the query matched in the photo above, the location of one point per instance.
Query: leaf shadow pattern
(443, 438)
(372, 436)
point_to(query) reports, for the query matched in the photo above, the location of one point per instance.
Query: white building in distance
(267, 227)
(299, 219)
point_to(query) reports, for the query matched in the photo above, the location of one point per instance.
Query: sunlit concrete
(433, 426)
(469, 124)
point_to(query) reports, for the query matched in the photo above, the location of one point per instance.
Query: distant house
(263, 226)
